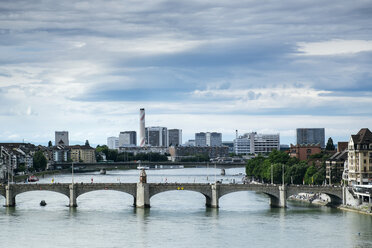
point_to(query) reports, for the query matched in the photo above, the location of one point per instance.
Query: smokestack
(142, 128)
(236, 134)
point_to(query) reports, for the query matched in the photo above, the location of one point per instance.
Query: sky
(87, 67)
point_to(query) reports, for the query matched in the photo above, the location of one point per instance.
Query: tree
(40, 161)
(330, 146)
(50, 144)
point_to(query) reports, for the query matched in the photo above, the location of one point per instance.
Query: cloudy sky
(265, 66)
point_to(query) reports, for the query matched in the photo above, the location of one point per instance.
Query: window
(308, 151)
(365, 161)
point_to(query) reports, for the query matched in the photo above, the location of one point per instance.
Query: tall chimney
(236, 134)
(142, 128)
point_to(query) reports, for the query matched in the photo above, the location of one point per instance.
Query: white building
(113, 142)
(254, 143)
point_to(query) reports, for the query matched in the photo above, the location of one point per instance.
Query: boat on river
(102, 172)
(32, 178)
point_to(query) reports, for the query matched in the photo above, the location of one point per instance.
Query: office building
(208, 139)
(308, 136)
(156, 136)
(113, 142)
(174, 137)
(128, 138)
(61, 138)
(213, 139)
(253, 143)
(200, 139)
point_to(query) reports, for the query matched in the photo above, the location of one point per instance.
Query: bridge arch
(204, 190)
(335, 194)
(175, 199)
(43, 197)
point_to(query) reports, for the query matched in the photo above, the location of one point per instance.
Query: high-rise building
(61, 138)
(174, 137)
(113, 142)
(252, 143)
(128, 138)
(308, 136)
(156, 136)
(213, 139)
(208, 139)
(200, 139)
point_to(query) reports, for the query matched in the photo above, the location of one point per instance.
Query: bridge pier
(9, 197)
(280, 202)
(212, 202)
(143, 195)
(73, 203)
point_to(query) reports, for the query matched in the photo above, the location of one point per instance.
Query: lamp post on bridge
(272, 176)
(283, 174)
(72, 173)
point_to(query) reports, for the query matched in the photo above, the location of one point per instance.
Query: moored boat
(32, 178)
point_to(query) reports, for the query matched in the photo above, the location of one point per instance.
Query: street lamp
(72, 173)
(283, 174)
(272, 177)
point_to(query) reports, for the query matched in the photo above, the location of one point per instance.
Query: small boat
(32, 179)
(102, 172)
(143, 167)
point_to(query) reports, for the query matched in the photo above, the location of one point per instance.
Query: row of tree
(297, 172)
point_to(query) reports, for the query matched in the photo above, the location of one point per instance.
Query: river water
(175, 219)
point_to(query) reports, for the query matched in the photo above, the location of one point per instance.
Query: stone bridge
(142, 192)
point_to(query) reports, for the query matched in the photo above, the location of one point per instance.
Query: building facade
(174, 137)
(200, 139)
(360, 158)
(85, 154)
(113, 142)
(308, 136)
(335, 167)
(179, 152)
(253, 143)
(128, 138)
(61, 138)
(303, 152)
(156, 136)
(208, 139)
(214, 139)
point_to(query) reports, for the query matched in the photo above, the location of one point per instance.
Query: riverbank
(321, 200)
(362, 210)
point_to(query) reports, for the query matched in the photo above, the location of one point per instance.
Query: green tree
(40, 161)
(310, 172)
(50, 144)
(330, 146)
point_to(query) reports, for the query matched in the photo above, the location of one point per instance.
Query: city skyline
(195, 66)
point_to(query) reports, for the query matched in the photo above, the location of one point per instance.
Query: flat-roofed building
(308, 136)
(174, 137)
(128, 138)
(253, 143)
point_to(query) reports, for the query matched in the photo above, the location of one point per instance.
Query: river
(175, 219)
